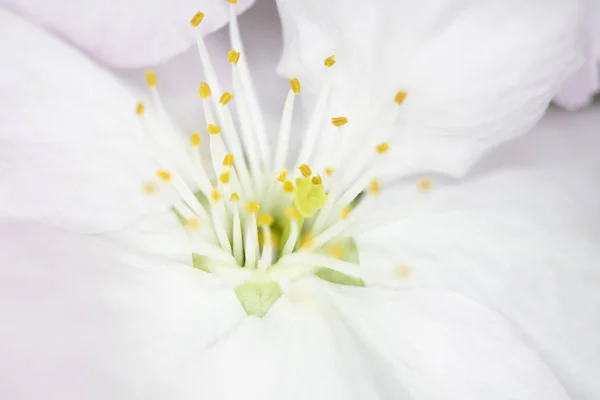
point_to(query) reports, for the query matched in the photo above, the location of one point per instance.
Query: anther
(329, 171)
(204, 90)
(150, 188)
(139, 108)
(164, 175)
(232, 1)
(213, 129)
(234, 197)
(316, 180)
(192, 224)
(215, 195)
(228, 160)
(291, 213)
(252, 207)
(224, 177)
(225, 98)
(282, 175)
(196, 139)
(295, 85)
(151, 78)
(400, 97)
(265, 220)
(198, 17)
(382, 147)
(374, 187)
(424, 185)
(339, 121)
(329, 61)
(305, 169)
(306, 240)
(336, 250)
(345, 212)
(233, 56)
(288, 187)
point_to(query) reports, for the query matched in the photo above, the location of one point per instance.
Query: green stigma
(308, 197)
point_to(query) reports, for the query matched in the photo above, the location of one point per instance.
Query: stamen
(282, 175)
(233, 56)
(293, 216)
(295, 85)
(164, 175)
(139, 109)
(345, 213)
(198, 17)
(224, 177)
(339, 121)
(329, 61)
(382, 147)
(232, 1)
(150, 188)
(316, 180)
(288, 187)
(151, 79)
(329, 171)
(225, 98)
(215, 196)
(196, 139)
(252, 207)
(285, 125)
(204, 90)
(400, 97)
(238, 244)
(234, 197)
(213, 129)
(374, 187)
(305, 169)
(228, 160)
(424, 185)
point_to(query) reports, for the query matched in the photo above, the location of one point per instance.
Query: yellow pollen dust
(345, 212)
(151, 78)
(228, 160)
(252, 207)
(374, 187)
(295, 85)
(139, 108)
(306, 240)
(196, 139)
(329, 171)
(424, 185)
(291, 213)
(288, 187)
(400, 97)
(233, 56)
(225, 98)
(403, 271)
(164, 175)
(282, 175)
(192, 224)
(234, 197)
(213, 129)
(339, 121)
(305, 169)
(265, 220)
(204, 90)
(337, 250)
(150, 188)
(329, 61)
(224, 177)
(316, 180)
(215, 195)
(198, 17)
(382, 147)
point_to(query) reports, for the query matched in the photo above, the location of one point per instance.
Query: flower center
(251, 220)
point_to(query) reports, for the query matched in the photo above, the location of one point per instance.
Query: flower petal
(91, 319)
(522, 240)
(580, 88)
(126, 34)
(476, 75)
(440, 345)
(72, 153)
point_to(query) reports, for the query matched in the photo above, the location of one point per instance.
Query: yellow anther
(374, 187)
(282, 175)
(151, 78)
(232, 1)
(215, 195)
(291, 213)
(306, 240)
(329, 61)
(265, 220)
(288, 187)
(252, 207)
(339, 121)
(308, 197)
(204, 90)
(316, 180)
(164, 175)
(196, 139)
(233, 56)
(198, 17)
(224, 177)
(400, 97)
(225, 98)
(295, 85)
(404, 271)
(345, 212)
(424, 185)
(139, 108)
(234, 197)
(336, 250)
(213, 129)
(192, 224)
(150, 188)
(382, 147)
(305, 169)
(228, 160)
(329, 171)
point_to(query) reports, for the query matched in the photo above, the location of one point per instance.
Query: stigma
(266, 213)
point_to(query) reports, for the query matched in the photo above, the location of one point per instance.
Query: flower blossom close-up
(278, 199)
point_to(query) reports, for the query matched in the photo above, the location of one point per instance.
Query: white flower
(123, 314)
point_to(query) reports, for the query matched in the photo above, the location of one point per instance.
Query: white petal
(439, 345)
(523, 240)
(71, 152)
(129, 33)
(476, 74)
(581, 87)
(88, 319)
